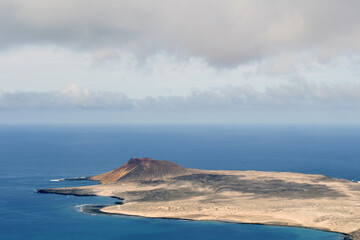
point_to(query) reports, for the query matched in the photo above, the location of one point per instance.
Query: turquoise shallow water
(32, 155)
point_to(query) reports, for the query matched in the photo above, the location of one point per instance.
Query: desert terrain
(162, 189)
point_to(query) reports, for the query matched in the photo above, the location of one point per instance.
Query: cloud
(299, 95)
(226, 33)
(71, 97)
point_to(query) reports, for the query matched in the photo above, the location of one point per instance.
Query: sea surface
(31, 156)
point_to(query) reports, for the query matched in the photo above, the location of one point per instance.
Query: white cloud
(72, 97)
(162, 56)
(301, 94)
(225, 33)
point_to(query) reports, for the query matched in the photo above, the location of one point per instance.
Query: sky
(161, 61)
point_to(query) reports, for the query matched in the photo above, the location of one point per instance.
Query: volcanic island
(163, 189)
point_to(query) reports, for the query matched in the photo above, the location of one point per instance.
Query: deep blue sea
(30, 156)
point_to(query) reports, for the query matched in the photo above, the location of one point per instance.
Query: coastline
(96, 209)
(267, 198)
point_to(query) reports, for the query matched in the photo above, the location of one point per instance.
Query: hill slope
(142, 169)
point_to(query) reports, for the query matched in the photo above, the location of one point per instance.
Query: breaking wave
(57, 180)
(82, 207)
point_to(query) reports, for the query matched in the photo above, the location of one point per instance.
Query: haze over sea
(32, 155)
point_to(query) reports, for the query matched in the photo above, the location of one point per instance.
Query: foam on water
(81, 207)
(57, 180)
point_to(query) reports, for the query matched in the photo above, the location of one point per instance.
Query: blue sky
(179, 61)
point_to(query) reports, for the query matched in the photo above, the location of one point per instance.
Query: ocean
(32, 155)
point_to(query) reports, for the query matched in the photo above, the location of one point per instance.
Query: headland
(163, 189)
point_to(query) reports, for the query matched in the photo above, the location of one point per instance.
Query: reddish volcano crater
(142, 169)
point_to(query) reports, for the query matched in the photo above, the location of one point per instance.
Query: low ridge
(142, 169)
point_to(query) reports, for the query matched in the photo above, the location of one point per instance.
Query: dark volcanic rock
(355, 235)
(260, 187)
(67, 191)
(161, 194)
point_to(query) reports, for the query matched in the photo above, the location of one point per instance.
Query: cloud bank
(225, 33)
(300, 94)
(141, 58)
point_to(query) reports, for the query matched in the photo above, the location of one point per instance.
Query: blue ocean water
(32, 155)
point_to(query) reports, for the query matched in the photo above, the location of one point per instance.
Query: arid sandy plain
(273, 198)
